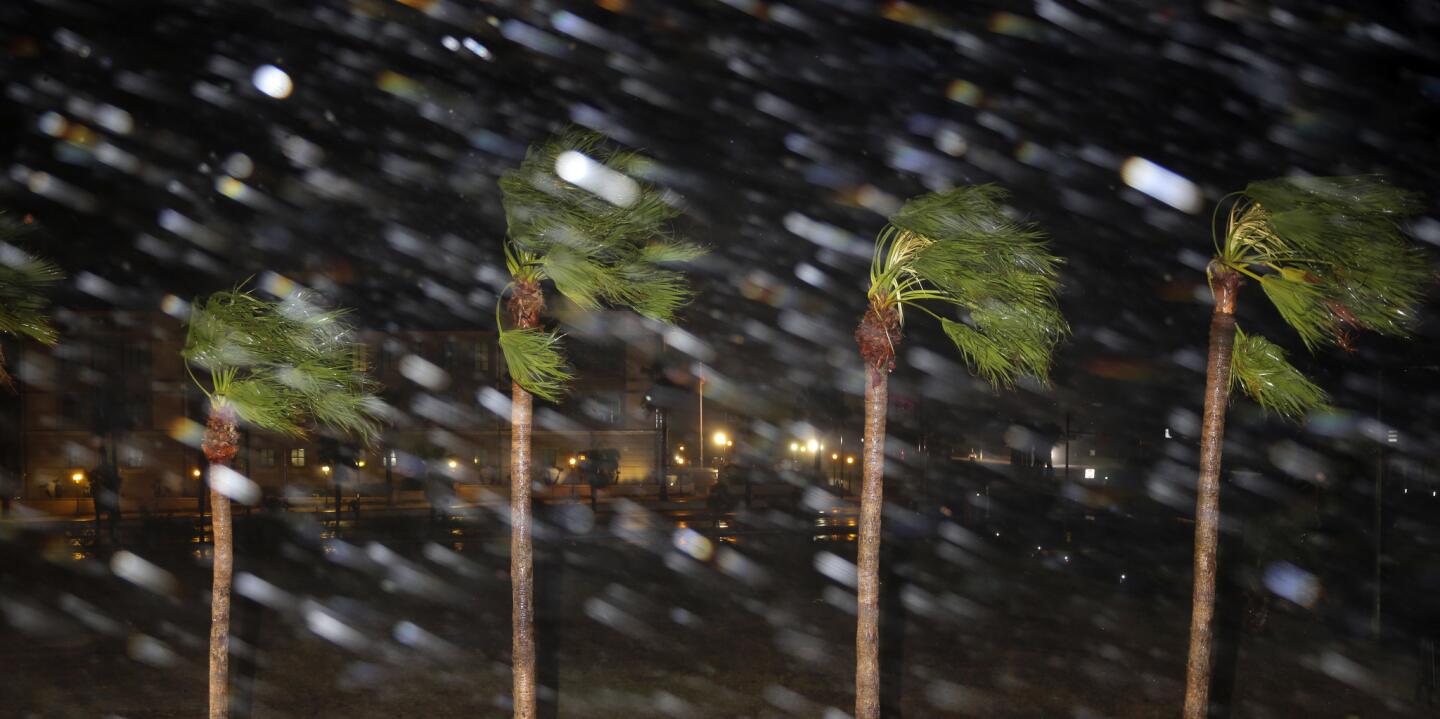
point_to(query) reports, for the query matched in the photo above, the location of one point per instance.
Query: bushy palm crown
(23, 279)
(1329, 254)
(578, 217)
(280, 365)
(959, 248)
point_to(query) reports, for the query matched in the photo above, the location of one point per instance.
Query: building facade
(116, 390)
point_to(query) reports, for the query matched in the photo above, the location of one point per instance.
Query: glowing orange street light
(77, 477)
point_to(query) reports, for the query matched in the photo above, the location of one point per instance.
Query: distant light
(195, 473)
(450, 43)
(77, 477)
(452, 464)
(813, 446)
(1167, 433)
(1161, 184)
(572, 461)
(850, 459)
(720, 439)
(325, 469)
(679, 459)
(1089, 473)
(272, 81)
(360, 463)
(1122, 577)
(794, 447)
(1392, 436)
(834, 456)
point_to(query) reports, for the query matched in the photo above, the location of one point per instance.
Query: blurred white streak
(234, 485)
(611, 186)
(1161, 184)
(137, 571)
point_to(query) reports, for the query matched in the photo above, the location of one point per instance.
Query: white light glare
(272, 81)
(581, 171)
(1161, 184)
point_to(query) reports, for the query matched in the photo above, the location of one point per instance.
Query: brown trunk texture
(220, 443)
(872, 497)
(522, 587)
(525, 304)
(1207, 495)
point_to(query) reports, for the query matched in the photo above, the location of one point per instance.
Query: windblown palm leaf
(1258, 367)
(280, 366)
(535, 362)
(959, 248)
(23, 281)
(579, 217)
(1330, 255)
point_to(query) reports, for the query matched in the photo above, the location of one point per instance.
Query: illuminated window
(1089, 473)
(297, 457)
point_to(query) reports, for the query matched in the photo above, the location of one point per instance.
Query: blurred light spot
(187, 431)
(1161, 184)
(114, 119)
(612, 186)
(239, 165)
(132, 568)
(149, 650)
(53, 124)
(272, 81)
(694, 544)
(234, 485)
(450, 43)
(951, 142)
(964, 92)
(476, 47)
(1292, 583)
(836, 568)
(231, 188)
(277, 284)
(424, 373)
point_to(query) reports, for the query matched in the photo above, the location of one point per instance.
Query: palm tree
(278, 367)
(578, 218)
(23, 280)
(1329, 254)
(955, 250)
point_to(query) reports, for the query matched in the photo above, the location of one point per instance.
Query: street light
(77, 477)
(720, 439)
(452, 464)
(814, 446)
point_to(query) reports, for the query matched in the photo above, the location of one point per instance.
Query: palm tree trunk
(220, 444)
(220, 603)
(867, 630)
(1207, 500)
(522, 588)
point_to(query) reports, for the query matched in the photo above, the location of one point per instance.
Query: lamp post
(722, 441)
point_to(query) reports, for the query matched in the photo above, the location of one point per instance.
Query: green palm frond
(536, 362)
(598, 250)
(959, 248)
(24, 280)
(1330, 254)
(1258, 366)
(281, 365)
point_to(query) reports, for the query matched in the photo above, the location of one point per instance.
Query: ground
(639, 617)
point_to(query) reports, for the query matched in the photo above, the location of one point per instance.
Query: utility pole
(1379, 498)
(660, 445)
(702, 422)
(1067, 445)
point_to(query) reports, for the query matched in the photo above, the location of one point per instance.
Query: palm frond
(24, 280)
(1258, 367)
(536, 362)
(596, 251)
(960, 250)
(1330, 254)
(283, 364)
